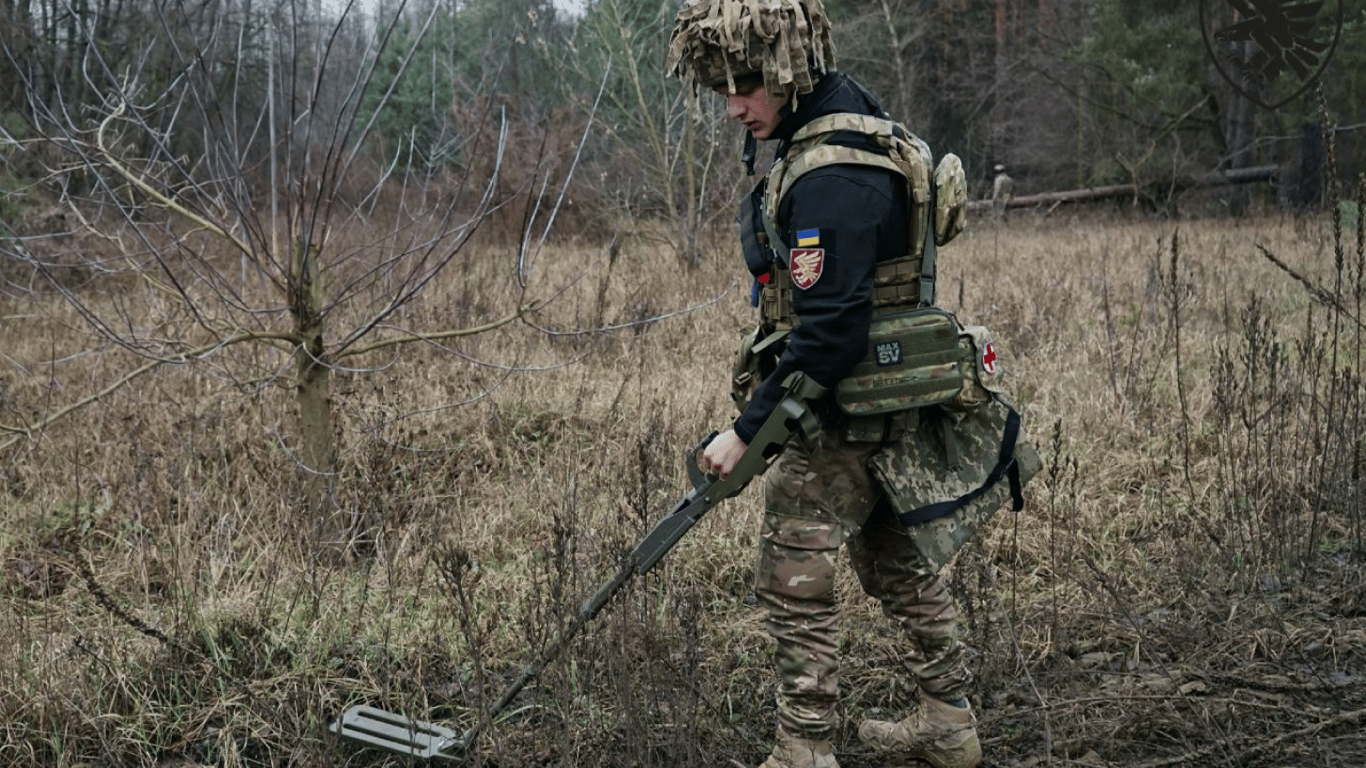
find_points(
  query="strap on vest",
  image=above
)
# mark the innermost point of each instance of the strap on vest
(927, 260)
(868, 125)
(896, 284)
(757, 260)
(1006, 467)
(775, 241)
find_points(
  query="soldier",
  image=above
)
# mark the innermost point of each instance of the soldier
(815, 246)
(1002, 189)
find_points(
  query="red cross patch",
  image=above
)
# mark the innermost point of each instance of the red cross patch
(807, 264)
(989, 358)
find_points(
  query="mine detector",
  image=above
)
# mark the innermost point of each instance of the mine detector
(415, 738)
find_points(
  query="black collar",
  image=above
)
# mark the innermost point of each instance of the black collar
(835, 92)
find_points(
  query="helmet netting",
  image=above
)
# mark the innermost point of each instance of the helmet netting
(716, 41)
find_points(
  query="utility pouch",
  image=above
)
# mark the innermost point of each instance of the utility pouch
(755, 360)
(914, 359)
(982, 371)
(951, 472)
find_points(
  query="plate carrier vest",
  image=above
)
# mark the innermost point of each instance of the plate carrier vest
(915, 355)
(918, 355)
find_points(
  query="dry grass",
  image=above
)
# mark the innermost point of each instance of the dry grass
(1188, 572)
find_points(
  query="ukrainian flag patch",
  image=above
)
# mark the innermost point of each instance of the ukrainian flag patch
(807, 238)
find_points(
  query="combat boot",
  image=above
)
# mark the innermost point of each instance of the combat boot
(937, 732)
(793, 752)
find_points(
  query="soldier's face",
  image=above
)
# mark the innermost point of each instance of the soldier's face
(752, 106)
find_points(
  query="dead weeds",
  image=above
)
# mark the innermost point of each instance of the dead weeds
(1184, 588)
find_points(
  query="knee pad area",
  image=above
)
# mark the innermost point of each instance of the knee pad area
(795, 573)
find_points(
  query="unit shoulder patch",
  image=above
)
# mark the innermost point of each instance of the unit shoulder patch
(807, 266)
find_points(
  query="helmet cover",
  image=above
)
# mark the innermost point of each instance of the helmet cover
(714, 42)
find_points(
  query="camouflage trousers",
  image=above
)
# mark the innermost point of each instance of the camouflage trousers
(820, 496)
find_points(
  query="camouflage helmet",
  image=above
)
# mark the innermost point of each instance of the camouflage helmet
(716, 41)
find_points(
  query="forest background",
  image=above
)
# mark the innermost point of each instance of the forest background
(345, 348)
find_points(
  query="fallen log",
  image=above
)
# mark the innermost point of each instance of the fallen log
(1087, 194)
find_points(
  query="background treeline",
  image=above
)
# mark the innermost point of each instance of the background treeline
(1066, 93)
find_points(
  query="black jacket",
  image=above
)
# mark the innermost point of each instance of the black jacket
(857, 216)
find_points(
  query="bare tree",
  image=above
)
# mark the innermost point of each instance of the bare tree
(282, 248)
(878, 43)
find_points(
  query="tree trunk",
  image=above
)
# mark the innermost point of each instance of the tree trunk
(899, 105)
(16, 35)
(998, 99)
(692, 246)
(1045, 27)
(1241, 133)
(317, 446)
(1238, 177)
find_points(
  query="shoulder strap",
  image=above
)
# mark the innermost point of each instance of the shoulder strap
(811, 150)
(867, 125)
(927, 262)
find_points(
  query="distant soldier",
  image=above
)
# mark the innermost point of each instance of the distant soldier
(1002, 190)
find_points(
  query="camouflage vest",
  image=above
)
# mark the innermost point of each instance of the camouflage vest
(936, 197)
(915, 357)
(901, 153)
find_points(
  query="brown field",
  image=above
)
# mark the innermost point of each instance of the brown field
(1185, 587)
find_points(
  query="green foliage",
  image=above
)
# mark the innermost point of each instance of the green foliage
(1341, 81)
(513, 46)
(14, 125)
(619, 46)
(1350, 214)
(469, 52)
(625, 40)
(1344, 79)
(1150, 78)
(1146, 71)
(413, 119)
(12, 198)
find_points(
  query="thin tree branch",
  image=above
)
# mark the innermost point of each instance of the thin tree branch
(521, 312)
(19, 433)
(108, 158)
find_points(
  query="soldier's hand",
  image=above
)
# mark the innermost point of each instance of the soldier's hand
(722, 454)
